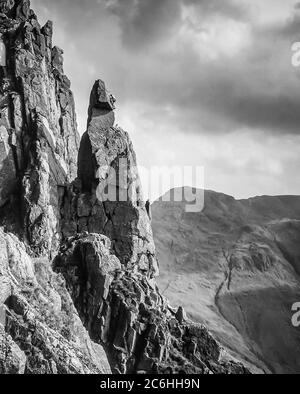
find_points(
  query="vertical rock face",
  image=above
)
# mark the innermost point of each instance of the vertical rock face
(40, 331)
(38, 132)
(107, 196)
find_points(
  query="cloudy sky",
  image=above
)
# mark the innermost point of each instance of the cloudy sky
(198, 83)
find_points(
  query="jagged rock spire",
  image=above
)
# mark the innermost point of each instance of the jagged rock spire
(107, 160)
(100, 97)
(101, 119)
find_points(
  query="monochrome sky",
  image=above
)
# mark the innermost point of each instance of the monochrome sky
(198, 82)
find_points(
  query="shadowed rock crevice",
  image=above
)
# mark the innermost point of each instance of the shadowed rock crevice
(86, 165)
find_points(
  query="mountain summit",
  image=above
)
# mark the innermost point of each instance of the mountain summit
(235, 267)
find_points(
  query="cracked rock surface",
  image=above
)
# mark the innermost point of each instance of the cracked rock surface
(40, 330)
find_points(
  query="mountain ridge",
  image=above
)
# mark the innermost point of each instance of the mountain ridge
(230, 249)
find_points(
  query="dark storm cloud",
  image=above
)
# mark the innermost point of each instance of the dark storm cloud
(227, 110)
(232, 94)
(145, 21)
(278, 114)
(198, 82)
(153, 65)
(229, 96)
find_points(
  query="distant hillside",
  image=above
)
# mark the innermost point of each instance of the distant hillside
(235, 267)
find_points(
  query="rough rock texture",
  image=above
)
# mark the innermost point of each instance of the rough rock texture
(124, 312)
(38, 132)
(106, 157)
(12, 359)
(40, 331)
(101, 249)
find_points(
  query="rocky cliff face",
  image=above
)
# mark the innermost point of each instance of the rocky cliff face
(40, 331)
(39, 139)
(77, 270)
(117, 298)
